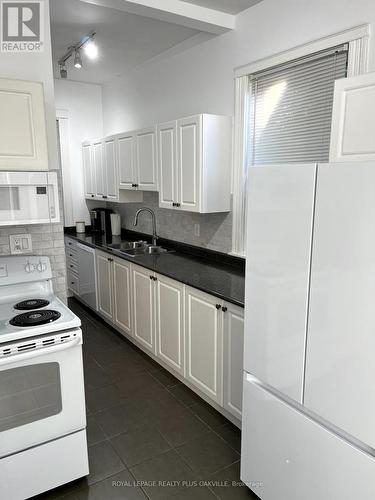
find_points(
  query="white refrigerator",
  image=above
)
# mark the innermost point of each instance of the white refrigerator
(308, 430)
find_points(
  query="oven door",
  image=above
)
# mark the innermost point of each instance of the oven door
(41, 393)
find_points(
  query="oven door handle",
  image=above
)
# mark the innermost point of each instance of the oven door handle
(15, 358)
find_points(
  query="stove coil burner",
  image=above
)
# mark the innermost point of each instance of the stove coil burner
(26, 305)
(35, 318)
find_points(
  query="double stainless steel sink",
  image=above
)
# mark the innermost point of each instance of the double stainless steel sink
(134, 248)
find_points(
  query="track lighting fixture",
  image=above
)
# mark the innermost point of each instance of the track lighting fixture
(87, 44)
(77, 59)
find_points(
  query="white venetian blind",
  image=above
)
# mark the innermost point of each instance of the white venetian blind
(291, 109)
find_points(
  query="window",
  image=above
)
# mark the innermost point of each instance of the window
(291, 109)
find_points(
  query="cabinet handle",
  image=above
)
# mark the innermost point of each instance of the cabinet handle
(224, 309)
(218, 306)
(109, 259)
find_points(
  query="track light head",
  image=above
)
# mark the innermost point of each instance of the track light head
(77, 59)
(63, 71)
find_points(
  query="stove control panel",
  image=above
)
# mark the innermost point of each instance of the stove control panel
(22, 269)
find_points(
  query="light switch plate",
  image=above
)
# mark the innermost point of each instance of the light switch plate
(20, 243)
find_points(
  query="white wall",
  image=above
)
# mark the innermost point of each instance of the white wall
(83, 103)
(201, 79)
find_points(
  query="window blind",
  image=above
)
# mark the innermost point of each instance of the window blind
(291, 109)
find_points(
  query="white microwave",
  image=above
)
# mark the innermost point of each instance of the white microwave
(28, 198)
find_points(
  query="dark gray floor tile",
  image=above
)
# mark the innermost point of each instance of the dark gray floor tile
(142, 443)
(185, 395)
(100, 399)
(195, 493)
(208, 454)
(181, 426)
(165, 378)
(166, 475)
(120, 418)
(131, 384)
(208, 414)
(227, 485)
(103, 462)
(94, 432)
(94, 375)
(231, 434)
(121, 486)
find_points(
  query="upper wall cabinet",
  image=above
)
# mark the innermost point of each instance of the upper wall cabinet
(353, 119)
(100, 167)
(137, 160)
(195, 163)
(23, 140)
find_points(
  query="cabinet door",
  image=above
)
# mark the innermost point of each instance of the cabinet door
(167, 164)
(99, 169)
(88, 170)
(340, 364)
(122, 295)
(233, 358)
(169, 322)
(104, 277)
(204, 343)
(279, 236)
(126, 151)
(353, 119)
(147, 174)
(143, 307)
(189, 161)
(23, 139)
(110, 170)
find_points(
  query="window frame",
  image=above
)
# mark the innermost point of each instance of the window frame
(358, 40)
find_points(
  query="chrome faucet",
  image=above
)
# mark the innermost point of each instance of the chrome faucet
(146, 209)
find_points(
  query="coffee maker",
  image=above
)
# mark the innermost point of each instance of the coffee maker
(101, 220)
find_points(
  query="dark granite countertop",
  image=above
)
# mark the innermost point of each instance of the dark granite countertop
(213, 272)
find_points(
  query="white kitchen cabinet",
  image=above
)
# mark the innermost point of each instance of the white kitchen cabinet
(353, 119)
(146, 160)
(195, 163)
(233, 338)
(101, 159)
(105, 284)
(137, 158)
(23, 139)
(169, 303)
(99, 169)
(126, 151)
(204, 343)
(88, 170)
(167, 160)
(340, 340)
(110, 169)
(122, 314)
(143, 307)
(280, 224)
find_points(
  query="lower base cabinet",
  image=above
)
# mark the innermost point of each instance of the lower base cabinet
(143, 307)
(204, 343)
(233, 339)
(198, 336)
(169, 304)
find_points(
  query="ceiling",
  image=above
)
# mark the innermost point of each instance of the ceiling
(229, 6)
(125, 40)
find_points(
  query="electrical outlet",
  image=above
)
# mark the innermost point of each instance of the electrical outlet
(197, 230)
(20, 243)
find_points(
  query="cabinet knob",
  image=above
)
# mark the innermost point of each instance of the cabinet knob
(178, 204)
(224, 309)
(109, 259)
(218, 306)
(104, 196)
(92, 196)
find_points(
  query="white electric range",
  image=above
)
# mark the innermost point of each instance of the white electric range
(42, 405)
